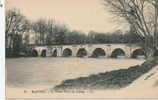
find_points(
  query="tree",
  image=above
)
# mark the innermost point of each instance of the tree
(142, 16)
(40, 28)
(16, 25)
(75, 37)
(17, 44)
(59, 34)
(50, 35)
(131, 37)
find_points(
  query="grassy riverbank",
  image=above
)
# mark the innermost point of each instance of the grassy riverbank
(109, 80)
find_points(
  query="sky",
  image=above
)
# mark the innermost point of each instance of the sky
(82, 15)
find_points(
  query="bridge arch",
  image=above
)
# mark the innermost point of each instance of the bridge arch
(117, 52)
(43, 53)
(34, 53)
(54, 54)
(98, 52)
(138, 52)
(81, 52)
(67, 52)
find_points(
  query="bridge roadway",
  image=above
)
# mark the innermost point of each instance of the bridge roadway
(90, 50)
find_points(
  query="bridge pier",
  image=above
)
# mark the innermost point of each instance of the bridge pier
(59, 52)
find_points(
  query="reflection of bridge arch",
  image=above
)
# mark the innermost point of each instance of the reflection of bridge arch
(81, 52)
(67, 52)
(34, 53)
(138, 52)
(117, 52)
(98, 52)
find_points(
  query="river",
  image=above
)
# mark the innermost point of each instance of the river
(48, 72)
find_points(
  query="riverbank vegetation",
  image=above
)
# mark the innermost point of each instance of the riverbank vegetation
(115, 79)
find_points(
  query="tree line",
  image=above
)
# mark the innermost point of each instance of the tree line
(48, 32)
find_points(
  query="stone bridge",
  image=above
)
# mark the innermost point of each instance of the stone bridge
(90, 50)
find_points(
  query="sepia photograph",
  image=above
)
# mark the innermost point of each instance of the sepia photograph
(81, 49)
